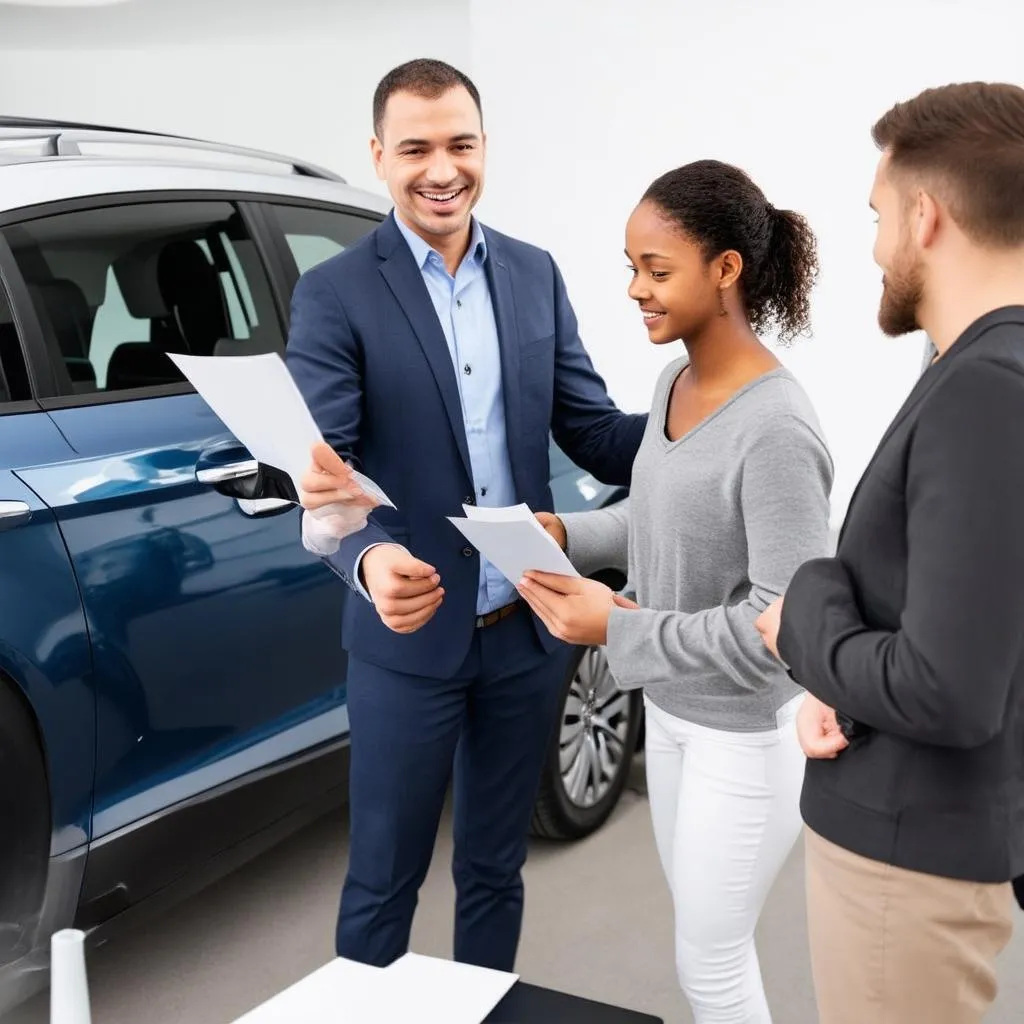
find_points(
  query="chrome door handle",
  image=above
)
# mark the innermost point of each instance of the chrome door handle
(228, 471)
(13, 513)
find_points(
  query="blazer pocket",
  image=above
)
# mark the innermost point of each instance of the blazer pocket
(538, 347)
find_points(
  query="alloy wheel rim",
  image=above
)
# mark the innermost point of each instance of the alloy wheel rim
(595, 724)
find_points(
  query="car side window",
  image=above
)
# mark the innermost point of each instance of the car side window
(314, 235)
(14, 386)
(116, 289)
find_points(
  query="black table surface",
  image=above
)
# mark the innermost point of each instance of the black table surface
(530, 1004)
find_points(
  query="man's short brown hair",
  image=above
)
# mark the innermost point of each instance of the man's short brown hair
(422, 77)
(965, 142)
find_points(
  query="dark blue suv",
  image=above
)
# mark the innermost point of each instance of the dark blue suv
(169, 706)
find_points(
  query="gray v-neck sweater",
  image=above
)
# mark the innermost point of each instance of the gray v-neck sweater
(716, 524)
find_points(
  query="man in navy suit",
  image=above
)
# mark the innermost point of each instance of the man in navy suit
(437, 356)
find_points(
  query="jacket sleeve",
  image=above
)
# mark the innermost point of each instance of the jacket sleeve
(943, 677)
(325, 360)
(585, 422)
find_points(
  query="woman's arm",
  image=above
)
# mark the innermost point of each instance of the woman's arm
(598, 539)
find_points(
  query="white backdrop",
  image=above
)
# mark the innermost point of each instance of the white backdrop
(585, 102)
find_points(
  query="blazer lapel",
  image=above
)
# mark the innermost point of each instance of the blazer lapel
(500, 280)
(405, 281)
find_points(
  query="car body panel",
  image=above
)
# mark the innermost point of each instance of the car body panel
(44, 645)
(193, 663)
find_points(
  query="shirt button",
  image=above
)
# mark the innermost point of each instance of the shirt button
(483, 492)
(467, 369)
(467, 552)
(458, 302)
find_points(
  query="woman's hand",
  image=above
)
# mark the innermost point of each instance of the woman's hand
(554, 526)
(574, 610)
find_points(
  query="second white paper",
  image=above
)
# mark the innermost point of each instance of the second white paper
(513, 541)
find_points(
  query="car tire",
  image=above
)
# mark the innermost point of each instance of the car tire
(25, 836)
(591, 752)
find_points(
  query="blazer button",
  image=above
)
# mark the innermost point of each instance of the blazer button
(467, 552)
(469, 500)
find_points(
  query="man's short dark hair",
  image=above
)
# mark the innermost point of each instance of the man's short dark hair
(966, 142)
(424, 77)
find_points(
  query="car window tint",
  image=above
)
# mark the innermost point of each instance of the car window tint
(314, 235)
(14, 386)
(118, 288)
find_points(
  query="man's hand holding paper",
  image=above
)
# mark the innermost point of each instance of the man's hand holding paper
(331, 491)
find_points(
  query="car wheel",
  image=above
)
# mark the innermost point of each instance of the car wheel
(592, 750)
(25, 836)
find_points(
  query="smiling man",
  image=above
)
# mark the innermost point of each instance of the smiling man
(438, 356)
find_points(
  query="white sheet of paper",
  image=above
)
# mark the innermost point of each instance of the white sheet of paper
(445, 992)
(257, 399)
(343, 990)
(513, 543)
(414, 988)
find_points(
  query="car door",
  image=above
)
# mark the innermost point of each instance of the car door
(45, 666)
(216, 637)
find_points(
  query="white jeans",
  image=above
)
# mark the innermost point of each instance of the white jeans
(726, 813)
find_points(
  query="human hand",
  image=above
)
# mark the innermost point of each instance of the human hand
(818, 730)
(554, 527)
(329, 481)
(768, 624)
(405, 591)
(574, 610)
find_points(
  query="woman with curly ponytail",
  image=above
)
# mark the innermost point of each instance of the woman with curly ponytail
(730, 496)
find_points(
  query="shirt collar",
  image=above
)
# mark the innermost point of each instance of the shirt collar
(422, 251)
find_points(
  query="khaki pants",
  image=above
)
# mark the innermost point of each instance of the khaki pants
(891, 946)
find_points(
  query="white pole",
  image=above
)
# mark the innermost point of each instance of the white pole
(69, 989)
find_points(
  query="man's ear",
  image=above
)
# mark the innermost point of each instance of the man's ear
(377, 156)
(928, 215)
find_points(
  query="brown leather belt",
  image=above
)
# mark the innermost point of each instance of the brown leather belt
(483, 621)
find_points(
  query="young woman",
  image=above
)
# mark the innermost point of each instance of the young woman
(730, 495)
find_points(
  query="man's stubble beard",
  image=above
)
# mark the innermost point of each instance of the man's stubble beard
(902, 292)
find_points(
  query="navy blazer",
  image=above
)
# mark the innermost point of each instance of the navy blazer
(369, 356)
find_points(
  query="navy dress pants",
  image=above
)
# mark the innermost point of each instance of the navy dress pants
(486, 731)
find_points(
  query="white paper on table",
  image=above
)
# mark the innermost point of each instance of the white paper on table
(513, 541)
(343, 990)
(257, 399)
(436, 991)
(414, 988)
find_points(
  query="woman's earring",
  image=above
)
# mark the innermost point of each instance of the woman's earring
(722, 311)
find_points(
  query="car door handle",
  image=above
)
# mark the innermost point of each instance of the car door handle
(221, 474)
(14, 513)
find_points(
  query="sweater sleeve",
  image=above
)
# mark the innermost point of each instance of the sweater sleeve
(785, 484)
(598, 539)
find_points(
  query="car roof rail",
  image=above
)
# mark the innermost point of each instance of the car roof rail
(69, 138)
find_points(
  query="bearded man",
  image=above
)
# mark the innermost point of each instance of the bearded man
(910, 641)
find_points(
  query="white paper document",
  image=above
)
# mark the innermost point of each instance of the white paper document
(513, 541)
(257, 399)
(414, 988)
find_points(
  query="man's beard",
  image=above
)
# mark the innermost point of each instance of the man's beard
(902, 290)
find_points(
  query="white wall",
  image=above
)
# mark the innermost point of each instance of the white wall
(587, 101)
(293, 76)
